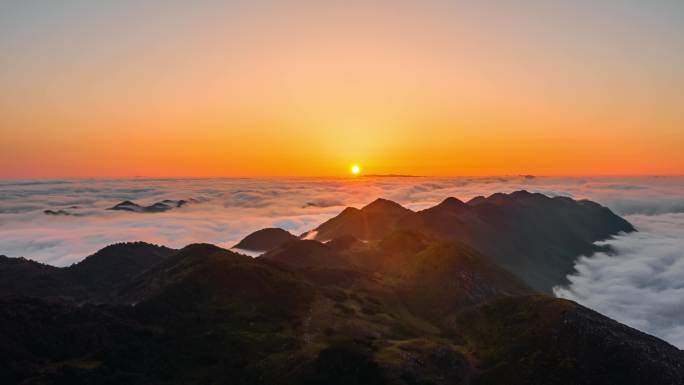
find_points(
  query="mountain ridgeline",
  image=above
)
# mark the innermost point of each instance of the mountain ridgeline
(392, 297)
(538, 238)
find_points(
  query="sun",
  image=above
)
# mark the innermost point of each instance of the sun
(355, 169)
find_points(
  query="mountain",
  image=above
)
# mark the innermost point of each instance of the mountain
(26, 277)
(370, 222)
(344, 243)
(388, 304)
(97, 278)
(543, 340)
(305, 253)
(536, 237)
(446, 276)
(157, 207)
(208, 315)
(194, 263)
(112, 267)
(57, 212)
(265, 239)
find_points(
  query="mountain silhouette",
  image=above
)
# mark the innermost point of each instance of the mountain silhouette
(265, 239)
(387, 304)
(94, 279)
(534, 236)
(370, 222)
(157, 207)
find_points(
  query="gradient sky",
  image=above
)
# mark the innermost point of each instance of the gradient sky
(95, 88)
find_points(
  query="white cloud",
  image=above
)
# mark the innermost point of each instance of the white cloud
(642, 283)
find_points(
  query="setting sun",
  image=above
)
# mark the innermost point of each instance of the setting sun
(355, 169)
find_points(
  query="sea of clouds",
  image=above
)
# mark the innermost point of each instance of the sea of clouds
(641, 284)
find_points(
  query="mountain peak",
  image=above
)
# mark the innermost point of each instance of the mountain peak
(116, 263)
(477, 200)
(122, 253)
(519, 193)
(372, 221)
(452, 202)
(201, 247)
(349, 210)
(524, 194)
(384, 204)
(265, 239)
(516, 196)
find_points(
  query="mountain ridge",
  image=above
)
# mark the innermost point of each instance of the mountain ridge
(403, 306)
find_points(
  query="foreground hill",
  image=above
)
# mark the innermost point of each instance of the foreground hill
(96, 278)
(208, 315)
(542, 340)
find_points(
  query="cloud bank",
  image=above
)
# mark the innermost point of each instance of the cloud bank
(642, 284)
(229, 208)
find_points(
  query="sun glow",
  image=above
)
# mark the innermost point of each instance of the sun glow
(355, 169)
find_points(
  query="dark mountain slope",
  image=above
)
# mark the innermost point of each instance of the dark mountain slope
(536, 237)
(208, 315)
(174, 269)
(345, 243)
(114, 266)
(97, 278)
(373, 221)
(265, 239)
(447, 276)
(306, 253)
(205, 315)
(45, 342)
(542, 340)
(22, 276)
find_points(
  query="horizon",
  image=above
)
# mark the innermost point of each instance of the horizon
(342, 176)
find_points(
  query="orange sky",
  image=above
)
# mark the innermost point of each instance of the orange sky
(298, 88)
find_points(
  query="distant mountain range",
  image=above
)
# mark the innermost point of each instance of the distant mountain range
(392, 297)
(536, 237)
(158, 207)
(130, 206)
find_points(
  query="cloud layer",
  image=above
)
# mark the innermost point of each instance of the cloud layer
(642, 284)
(230, 208)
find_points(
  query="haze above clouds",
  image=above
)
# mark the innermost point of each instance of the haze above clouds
(640, 285)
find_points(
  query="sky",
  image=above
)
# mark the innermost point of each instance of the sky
(308, 88)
